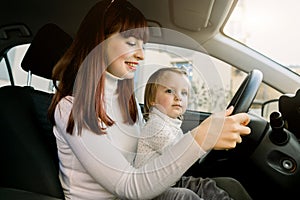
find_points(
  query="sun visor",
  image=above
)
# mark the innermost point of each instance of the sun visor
(191, 14)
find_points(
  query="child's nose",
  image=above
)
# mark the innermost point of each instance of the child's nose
(178, 96)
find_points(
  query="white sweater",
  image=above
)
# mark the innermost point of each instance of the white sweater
(101, 166)
(159, 133)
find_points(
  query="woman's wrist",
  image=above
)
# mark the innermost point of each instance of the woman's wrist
(200, 138)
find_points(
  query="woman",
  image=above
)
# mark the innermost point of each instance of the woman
(97, 119)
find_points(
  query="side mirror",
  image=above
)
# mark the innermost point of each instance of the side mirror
(289, 106)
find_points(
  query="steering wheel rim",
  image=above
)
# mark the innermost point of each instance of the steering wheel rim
(241, 101)
(247, 91)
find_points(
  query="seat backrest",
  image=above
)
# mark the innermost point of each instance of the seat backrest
(29, 154)
(29, 159)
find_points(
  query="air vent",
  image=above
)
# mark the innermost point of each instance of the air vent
(19, 29)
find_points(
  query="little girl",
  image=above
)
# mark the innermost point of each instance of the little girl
(165, 101)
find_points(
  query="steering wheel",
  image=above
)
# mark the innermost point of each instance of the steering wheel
(246, 93)
(241, 101)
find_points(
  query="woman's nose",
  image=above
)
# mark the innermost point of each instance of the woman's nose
(139, 53)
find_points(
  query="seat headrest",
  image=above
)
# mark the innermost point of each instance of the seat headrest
(47, 47)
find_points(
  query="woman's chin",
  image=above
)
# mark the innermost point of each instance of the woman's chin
(129, 75)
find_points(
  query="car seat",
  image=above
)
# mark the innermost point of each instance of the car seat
(29, 162)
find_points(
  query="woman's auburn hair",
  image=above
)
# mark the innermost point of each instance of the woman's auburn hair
(80, 71)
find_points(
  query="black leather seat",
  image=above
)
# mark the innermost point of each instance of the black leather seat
(29, 163)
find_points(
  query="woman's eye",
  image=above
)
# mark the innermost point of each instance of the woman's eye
(131, 43)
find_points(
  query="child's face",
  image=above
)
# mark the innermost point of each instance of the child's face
(123, 55)
(172, 94)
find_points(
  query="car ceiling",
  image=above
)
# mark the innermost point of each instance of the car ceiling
(20, 20)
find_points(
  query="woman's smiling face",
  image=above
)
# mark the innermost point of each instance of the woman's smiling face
(123, 55)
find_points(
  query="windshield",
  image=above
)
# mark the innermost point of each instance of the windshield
(270, 27)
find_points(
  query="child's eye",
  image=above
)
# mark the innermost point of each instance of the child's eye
(184, 93)
(170, 91)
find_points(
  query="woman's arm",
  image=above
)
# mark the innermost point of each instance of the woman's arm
(222, 130)
(106, 164)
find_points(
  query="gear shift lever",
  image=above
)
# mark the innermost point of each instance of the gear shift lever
(278, 135)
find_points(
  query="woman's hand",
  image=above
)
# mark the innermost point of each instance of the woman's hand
(222, 131)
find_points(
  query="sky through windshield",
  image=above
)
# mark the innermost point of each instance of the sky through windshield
(271, 27)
